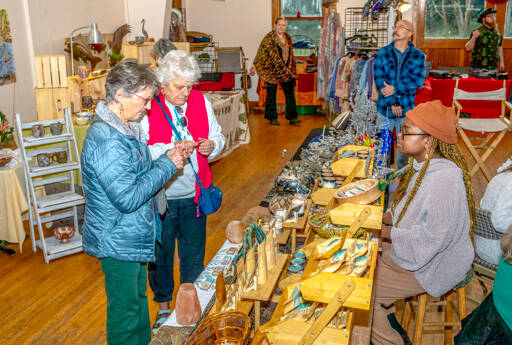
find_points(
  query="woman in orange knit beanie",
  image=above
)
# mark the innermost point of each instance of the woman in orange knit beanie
(430, 220)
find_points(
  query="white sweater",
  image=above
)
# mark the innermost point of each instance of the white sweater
(432, 239)
(182, 184)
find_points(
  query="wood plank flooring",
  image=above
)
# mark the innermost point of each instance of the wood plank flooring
(64, 302)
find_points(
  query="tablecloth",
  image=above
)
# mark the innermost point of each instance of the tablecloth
(442, 89)
(305, 91)
(14, 204)
(230, 112)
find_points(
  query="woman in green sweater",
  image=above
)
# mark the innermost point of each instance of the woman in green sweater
(491, 322)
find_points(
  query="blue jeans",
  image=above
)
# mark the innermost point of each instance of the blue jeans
(181, 224)
(396, 124)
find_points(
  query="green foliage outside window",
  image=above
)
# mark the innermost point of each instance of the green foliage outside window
(508, 21)
(307, 8)
(452, 18)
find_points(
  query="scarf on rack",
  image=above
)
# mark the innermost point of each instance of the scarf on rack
(270, 65)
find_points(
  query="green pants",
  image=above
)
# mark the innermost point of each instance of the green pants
(127, 304)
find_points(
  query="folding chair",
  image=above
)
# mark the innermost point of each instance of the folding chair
(495, 128)
(232, 59)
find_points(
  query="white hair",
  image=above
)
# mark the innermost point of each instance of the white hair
(177, 64)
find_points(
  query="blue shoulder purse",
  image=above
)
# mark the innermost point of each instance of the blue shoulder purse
(211, 197)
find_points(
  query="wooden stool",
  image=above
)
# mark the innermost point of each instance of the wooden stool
(422, 303)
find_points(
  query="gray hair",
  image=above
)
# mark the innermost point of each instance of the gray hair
(177, 64)
(131, 77)
(162, 47)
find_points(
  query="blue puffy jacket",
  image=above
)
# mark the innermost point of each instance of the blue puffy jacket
(120, 181)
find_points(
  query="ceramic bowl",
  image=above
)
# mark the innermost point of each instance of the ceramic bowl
(4, 160)
(38, 131)
(43, 160)
(299, 255)
(64, 233)
(56, 128)
(84, 114)
(82, 121)
(298, 261)
(295, 269)
(61, 157)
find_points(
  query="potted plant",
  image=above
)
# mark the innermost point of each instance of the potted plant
(5, 131)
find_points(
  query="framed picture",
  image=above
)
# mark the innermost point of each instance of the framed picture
(7, 69)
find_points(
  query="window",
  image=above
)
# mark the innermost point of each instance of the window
(508, 21)
(452, 19)
(304, 22)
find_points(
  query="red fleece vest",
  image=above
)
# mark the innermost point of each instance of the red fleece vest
(160, 131)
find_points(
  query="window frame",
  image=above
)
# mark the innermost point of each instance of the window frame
(422, 42)
(276, 12)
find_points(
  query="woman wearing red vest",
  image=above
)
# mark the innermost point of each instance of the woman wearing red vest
(194, 119)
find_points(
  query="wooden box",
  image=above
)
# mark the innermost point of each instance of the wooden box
(51, 102)
(343, 166)
(289, 332)
(323, 286)
(50, 71)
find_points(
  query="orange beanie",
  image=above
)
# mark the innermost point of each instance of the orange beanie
(435, 119)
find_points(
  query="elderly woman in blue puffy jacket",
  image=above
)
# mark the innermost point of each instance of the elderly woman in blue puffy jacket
(120, 180)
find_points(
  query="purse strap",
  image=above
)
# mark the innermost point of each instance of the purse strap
(178, 136)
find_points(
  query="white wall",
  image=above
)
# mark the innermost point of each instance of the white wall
(153, 11)
(18, 97)
(53, 20)
(233, 23)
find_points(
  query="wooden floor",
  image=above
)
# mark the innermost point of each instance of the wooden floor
(64, 302)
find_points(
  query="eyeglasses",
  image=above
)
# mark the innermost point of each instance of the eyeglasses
(147, 101)
(404, 133)
(396, 27)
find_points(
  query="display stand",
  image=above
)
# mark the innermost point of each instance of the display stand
(44, 209)
(264, 292)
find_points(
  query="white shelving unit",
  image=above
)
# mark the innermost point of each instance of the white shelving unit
(49, 208)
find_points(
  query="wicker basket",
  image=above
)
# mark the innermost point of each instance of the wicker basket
(200, 45)
(230, 328)
(320, 222)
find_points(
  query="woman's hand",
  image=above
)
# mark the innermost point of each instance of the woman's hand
(386, 219)
(186, 147)
(385, 232)
(252, 70)
(205, 146)
(176, 157)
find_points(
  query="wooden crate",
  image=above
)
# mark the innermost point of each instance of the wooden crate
(323, 286)
(291, 331)
(51, 102)
(79, 87)
(50, 71)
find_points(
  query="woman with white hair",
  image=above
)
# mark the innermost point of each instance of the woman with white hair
(184, 221)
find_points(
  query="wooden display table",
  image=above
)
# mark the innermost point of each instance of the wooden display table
(265, 291)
